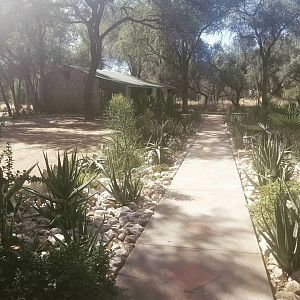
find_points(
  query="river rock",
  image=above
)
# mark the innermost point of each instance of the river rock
(130, 239)
(136, 229)
(53, 238)
(264, 248)
(55, 230)
(121, 211)
(286, 296)
(293, 286)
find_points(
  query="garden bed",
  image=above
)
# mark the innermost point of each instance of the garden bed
(284, 286)
(69, 231)
(120, 226)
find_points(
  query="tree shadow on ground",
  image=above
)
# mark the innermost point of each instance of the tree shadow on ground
(190, 262)
(194, 247)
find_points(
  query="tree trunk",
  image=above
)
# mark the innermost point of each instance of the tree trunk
(5, 99)
(236, 102)
(42, 64)
(29, 91)
(96, 52)
(265, 83)
(185, 96)
(88, 93)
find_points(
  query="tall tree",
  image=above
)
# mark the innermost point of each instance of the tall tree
(184, 24)
(92, 13)
(266, 22)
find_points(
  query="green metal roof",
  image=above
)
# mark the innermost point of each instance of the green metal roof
(125, 79)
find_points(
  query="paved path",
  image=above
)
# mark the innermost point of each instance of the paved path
(200, 243)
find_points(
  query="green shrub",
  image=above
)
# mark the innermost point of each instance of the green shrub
(126, 153)
(124, 146)
(121, 113)
(79, 271)
(263, 210)
(283, 234)
(23, 274)
(70, 271)
(162, 107)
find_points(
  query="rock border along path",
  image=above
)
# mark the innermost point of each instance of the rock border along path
(200, 243)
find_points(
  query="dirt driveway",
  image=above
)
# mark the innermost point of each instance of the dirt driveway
(30, 136)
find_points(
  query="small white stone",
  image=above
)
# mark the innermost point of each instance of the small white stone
(143, 221)
(99, 213)
(264, 248)
(105, 195)
(292, 286)
(130, 239)
(55, 231)
(110, 234)
(148, 212)
(112, 221)
(53, 238)
(121, 211)
(136, 229)
(117, 261)
(121, 236)
(272, 260)
(278, 273)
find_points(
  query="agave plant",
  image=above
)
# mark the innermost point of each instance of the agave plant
(283, 235)
(157, 153)
(270, 159)
(123, 189)
(65, 201)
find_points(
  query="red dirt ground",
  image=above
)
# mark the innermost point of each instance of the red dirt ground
(31, 136)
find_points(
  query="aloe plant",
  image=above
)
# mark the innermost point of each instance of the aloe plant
(283, 235)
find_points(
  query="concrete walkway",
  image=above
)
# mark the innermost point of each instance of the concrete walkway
(200, 243)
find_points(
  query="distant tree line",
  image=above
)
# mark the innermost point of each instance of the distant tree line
(157, 40)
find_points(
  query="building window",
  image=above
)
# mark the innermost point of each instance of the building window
(67, 74)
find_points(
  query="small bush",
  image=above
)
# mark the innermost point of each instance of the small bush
(121, 114)
(79, 271)
(125, 153)
(124, 146)
(263, 210)
(23, 274)
(70, 271)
